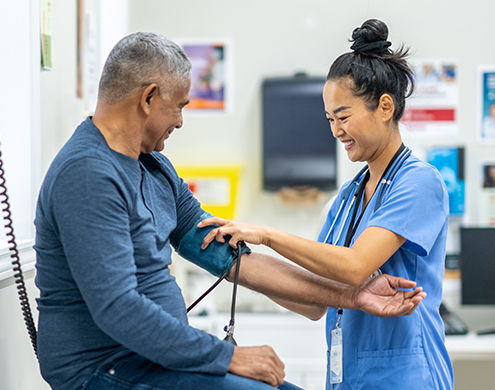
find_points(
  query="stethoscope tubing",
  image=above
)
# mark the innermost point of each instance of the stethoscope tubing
(382, 187)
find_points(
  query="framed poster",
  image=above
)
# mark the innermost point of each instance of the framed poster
(486, 120)
(432, 109)
(450, 163)
(488, 194)
(46, 34)
(211, 81)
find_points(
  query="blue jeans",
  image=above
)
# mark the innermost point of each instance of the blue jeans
(137, 373)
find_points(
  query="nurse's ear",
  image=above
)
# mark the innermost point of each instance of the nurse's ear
(386, 107)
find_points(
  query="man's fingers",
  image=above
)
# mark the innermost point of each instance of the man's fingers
(413, 307)
(410, 294)
(415, 301)
(278, 368)
(399, 282)
(418, 298)
(260, 363)
(406, 308)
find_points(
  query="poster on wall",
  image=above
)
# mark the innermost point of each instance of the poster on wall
(46, 34)
(450, 163)
(211, 83)
(433, 107)
(88, 53)
(487, 107)
(488, 194)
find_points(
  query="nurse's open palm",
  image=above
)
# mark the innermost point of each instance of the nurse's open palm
(380, 296)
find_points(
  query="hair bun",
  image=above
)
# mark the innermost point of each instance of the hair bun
(371, 38)
(356, 34)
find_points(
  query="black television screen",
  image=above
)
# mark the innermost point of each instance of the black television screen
(298, 146)
(477, 260)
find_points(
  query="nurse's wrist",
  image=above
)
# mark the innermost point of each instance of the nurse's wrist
(267, 236)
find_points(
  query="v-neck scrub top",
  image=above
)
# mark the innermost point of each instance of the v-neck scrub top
(406, 352)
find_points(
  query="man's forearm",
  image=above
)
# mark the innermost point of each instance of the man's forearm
(279, 279)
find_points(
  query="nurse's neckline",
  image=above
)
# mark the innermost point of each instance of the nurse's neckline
(377, 174)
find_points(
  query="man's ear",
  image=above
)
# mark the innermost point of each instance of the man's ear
(386, 106)
(147, 97)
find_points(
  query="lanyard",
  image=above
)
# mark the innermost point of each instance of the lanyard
(353, 224)
(359, 195)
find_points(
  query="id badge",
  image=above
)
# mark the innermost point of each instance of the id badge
(336, 357)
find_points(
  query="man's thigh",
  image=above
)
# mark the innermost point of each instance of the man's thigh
(138, 373)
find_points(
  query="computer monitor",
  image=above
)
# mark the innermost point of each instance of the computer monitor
(477, 261)
(298, 146)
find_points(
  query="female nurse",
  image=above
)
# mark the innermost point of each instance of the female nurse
(391, 218)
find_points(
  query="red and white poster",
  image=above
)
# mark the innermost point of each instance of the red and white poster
(433, 108)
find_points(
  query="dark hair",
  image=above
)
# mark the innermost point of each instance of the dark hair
(374, 69)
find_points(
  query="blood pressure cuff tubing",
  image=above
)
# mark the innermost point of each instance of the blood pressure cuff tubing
(217, 258)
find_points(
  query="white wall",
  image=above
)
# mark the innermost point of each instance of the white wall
(19, 109)
(20, 137)
(269, 38)
(19, 368)
(33, 129)
(278, 37)
(61, 109)
(282, 37)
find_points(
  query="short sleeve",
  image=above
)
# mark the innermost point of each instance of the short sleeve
(416, 207)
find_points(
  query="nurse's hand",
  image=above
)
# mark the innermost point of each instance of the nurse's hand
(380, 296)
(253, 234)
(260, 363)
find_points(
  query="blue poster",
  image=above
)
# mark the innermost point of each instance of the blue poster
(450, 163)
(488, 113)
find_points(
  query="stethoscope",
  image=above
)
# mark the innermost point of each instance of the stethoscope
(356, 190)
(357, 187)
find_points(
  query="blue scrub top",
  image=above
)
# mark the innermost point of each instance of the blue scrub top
(405, 352)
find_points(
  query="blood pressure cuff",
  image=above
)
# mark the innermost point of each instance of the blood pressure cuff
(217, 258)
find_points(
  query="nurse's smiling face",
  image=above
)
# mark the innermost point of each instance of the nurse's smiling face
(363, 132)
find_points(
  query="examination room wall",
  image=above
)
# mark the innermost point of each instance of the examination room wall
(279, 38)
(267, 38)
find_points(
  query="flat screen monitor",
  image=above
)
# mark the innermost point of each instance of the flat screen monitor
(298, 146)
(477, 260)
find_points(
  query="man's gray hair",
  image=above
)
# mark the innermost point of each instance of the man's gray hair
(140, 59)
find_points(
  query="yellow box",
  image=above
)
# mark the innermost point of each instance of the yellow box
(214, 186)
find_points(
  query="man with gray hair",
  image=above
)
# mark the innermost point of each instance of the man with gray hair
(111, 315)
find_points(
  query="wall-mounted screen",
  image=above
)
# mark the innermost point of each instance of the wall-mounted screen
(477, 256)
(298, 146)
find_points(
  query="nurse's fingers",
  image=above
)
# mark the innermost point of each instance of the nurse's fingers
(217, 234)
(212, 221)
(209, 238)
